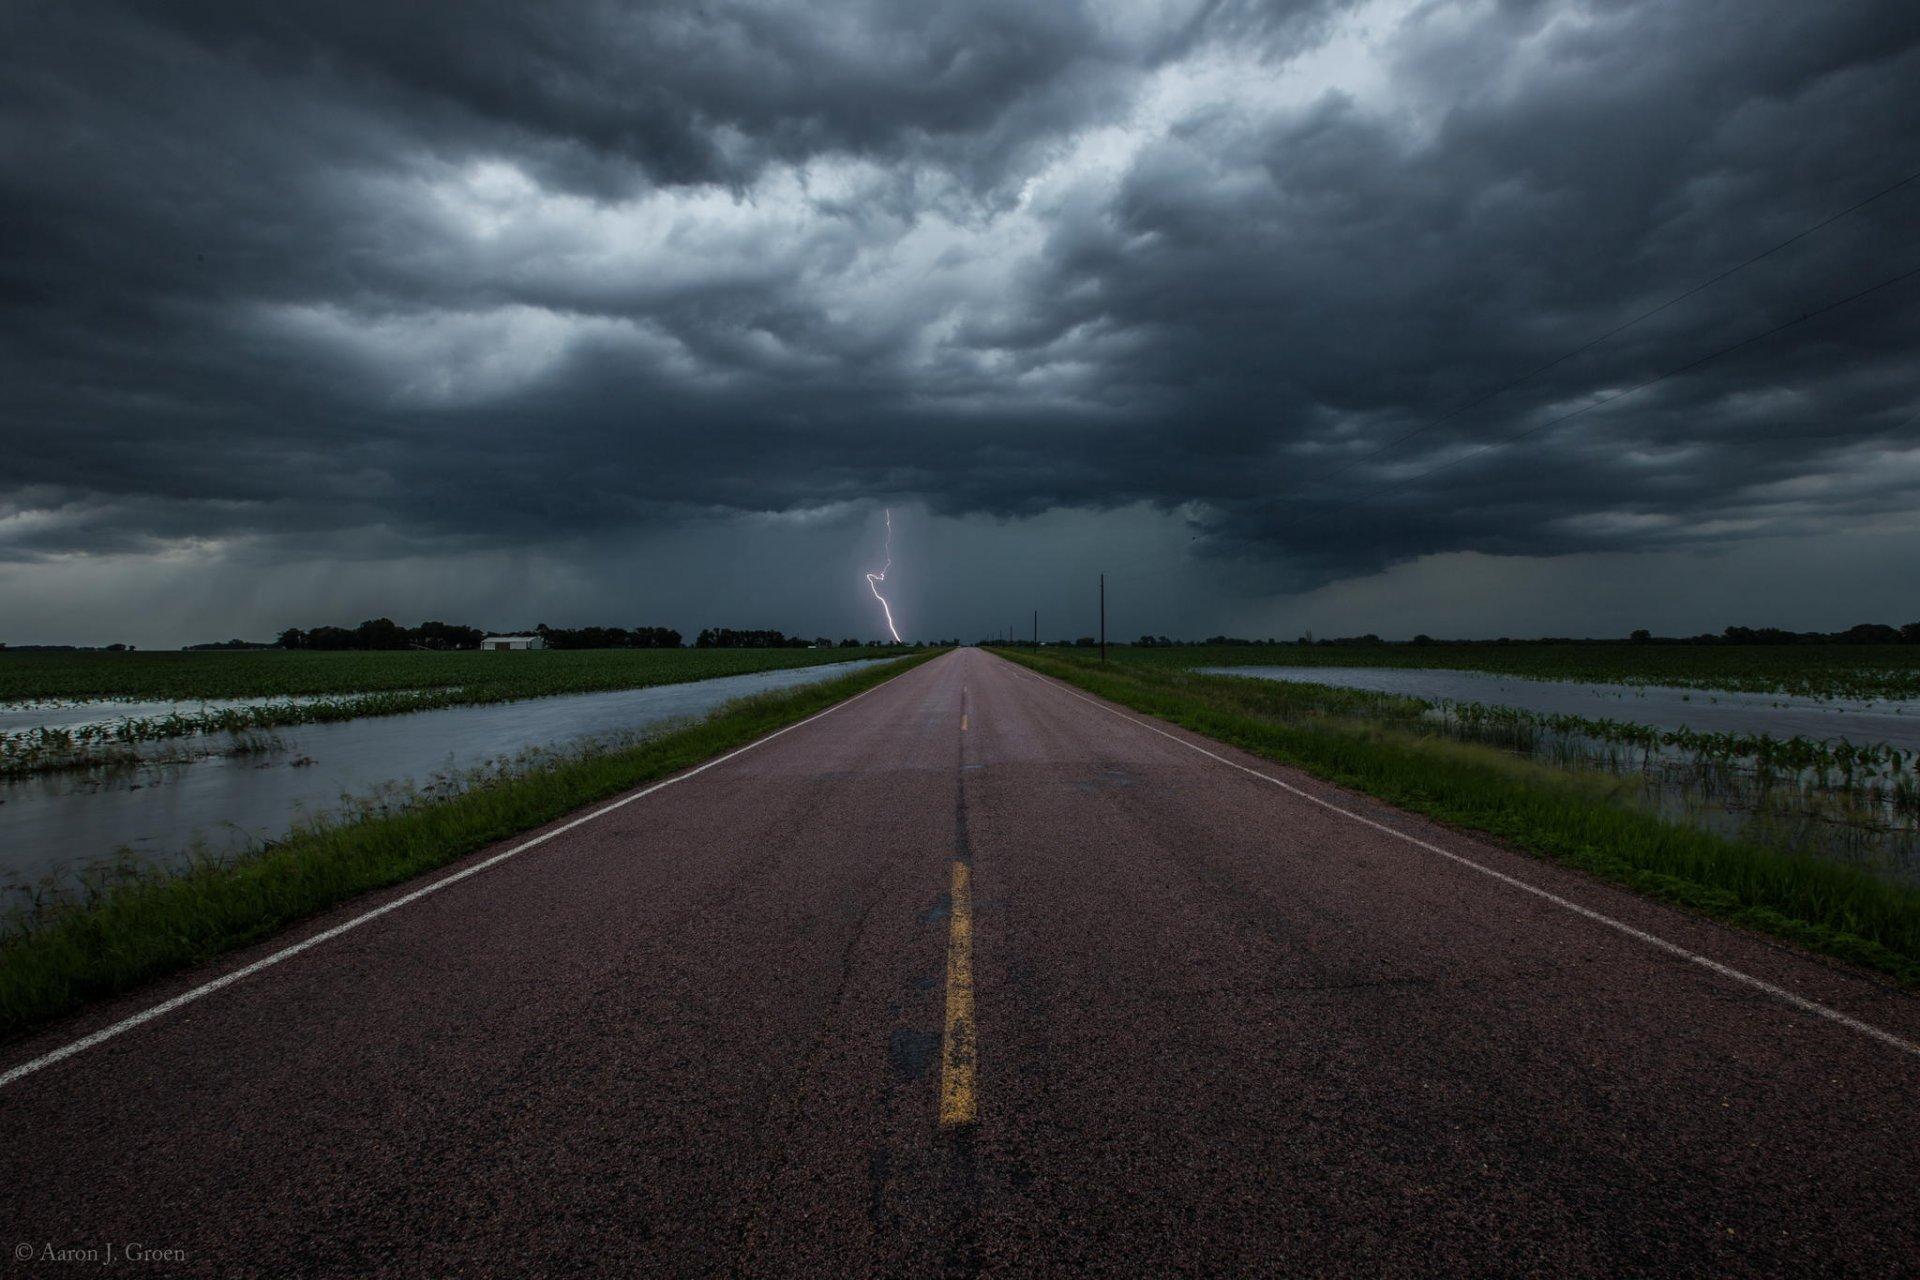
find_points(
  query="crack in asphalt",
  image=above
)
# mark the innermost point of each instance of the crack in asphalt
(780, 1149)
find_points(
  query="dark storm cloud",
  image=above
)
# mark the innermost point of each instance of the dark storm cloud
(465, 274)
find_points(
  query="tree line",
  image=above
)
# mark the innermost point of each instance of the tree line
(385, 633)
(608, 637)
(1860, 633)
(731, 638)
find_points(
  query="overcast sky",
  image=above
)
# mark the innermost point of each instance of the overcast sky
(591, 313)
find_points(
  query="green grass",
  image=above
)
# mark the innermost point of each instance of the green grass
(1580, 819)
(1822, 671)
(137, 931)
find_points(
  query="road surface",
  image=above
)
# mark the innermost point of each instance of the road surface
(973, 974)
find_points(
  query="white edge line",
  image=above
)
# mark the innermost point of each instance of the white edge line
(188, 997)
(1620, 926)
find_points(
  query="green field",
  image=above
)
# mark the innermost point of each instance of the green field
(1813, 670)
(1585, 818)
(487, 677)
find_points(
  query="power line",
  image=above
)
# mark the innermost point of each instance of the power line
(1678, 298)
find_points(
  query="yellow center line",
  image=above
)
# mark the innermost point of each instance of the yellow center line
(957, 1104)
(963, 722)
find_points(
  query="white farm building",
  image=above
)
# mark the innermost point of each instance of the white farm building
(513, 642)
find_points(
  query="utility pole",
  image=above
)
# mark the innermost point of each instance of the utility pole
(1036, 628)
(1103, 617)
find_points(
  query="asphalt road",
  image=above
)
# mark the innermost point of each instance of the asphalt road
(1214, 1027)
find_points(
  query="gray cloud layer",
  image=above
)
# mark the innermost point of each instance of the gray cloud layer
(463, 276)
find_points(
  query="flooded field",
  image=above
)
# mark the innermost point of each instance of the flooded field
(1857, 720)
(1838, 778)
(82, 710)
(89, 713)
(245, 789)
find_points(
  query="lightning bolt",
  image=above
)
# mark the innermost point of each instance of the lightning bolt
(875, 579)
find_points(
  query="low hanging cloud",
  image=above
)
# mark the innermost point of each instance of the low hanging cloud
(473, 275)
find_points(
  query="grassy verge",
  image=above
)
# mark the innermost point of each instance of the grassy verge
(141, 930)
(1574, 818)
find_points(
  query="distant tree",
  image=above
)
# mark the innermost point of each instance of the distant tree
(292, 638)
(608, 637)
(1910, 633)
(729, 638)
(235, 643)
(445, 635)
(380, 633)
(1086, 642)
(1423, 638)
(331, 638)
(1641, 636)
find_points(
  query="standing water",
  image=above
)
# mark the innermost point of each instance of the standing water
(160, 813)
(1831, 778)
(1705, 710)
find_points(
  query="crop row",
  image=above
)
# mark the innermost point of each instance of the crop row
(1795, 754)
